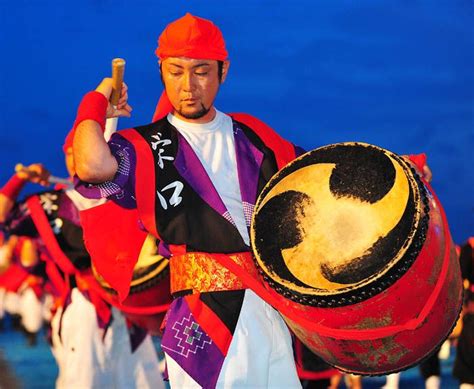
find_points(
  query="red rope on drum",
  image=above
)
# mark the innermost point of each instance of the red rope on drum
(320, 375)
(148, 310)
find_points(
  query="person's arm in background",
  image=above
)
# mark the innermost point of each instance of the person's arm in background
(35, 173)
(94, 162)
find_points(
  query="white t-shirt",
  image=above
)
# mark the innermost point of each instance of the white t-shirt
(213, 143)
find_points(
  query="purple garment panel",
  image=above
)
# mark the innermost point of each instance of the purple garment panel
(164, 250)
(122, 188)
(137, 335)
(186, 342)
(67, 210)
(249, 160)
(190, 167)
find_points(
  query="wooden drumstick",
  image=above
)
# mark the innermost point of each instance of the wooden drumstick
(51, 179)
(118, 70)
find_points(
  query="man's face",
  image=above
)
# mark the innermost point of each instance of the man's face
(192, 86)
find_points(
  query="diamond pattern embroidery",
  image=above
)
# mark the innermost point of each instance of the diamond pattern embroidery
(190, 337)
(192, 333)
(248, 211)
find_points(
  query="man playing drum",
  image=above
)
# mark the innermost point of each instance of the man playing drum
(194, 176)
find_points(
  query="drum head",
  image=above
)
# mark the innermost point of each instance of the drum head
(339, 224)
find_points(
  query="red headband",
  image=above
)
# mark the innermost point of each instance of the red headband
(192, 37)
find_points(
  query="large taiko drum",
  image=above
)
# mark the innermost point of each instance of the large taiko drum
(356, 250)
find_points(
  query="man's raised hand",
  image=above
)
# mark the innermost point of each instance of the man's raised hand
(123, 109)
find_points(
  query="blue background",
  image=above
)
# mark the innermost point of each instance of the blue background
(398, 74)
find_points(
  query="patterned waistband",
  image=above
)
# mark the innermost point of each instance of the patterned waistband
(200, 272)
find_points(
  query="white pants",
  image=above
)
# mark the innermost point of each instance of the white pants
(48, 304)
(137, 370)
(392, 381)
(31, 311)
(11, 303)
(88, 360)
(260, 354)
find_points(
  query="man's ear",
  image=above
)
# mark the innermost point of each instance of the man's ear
(225, 69)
